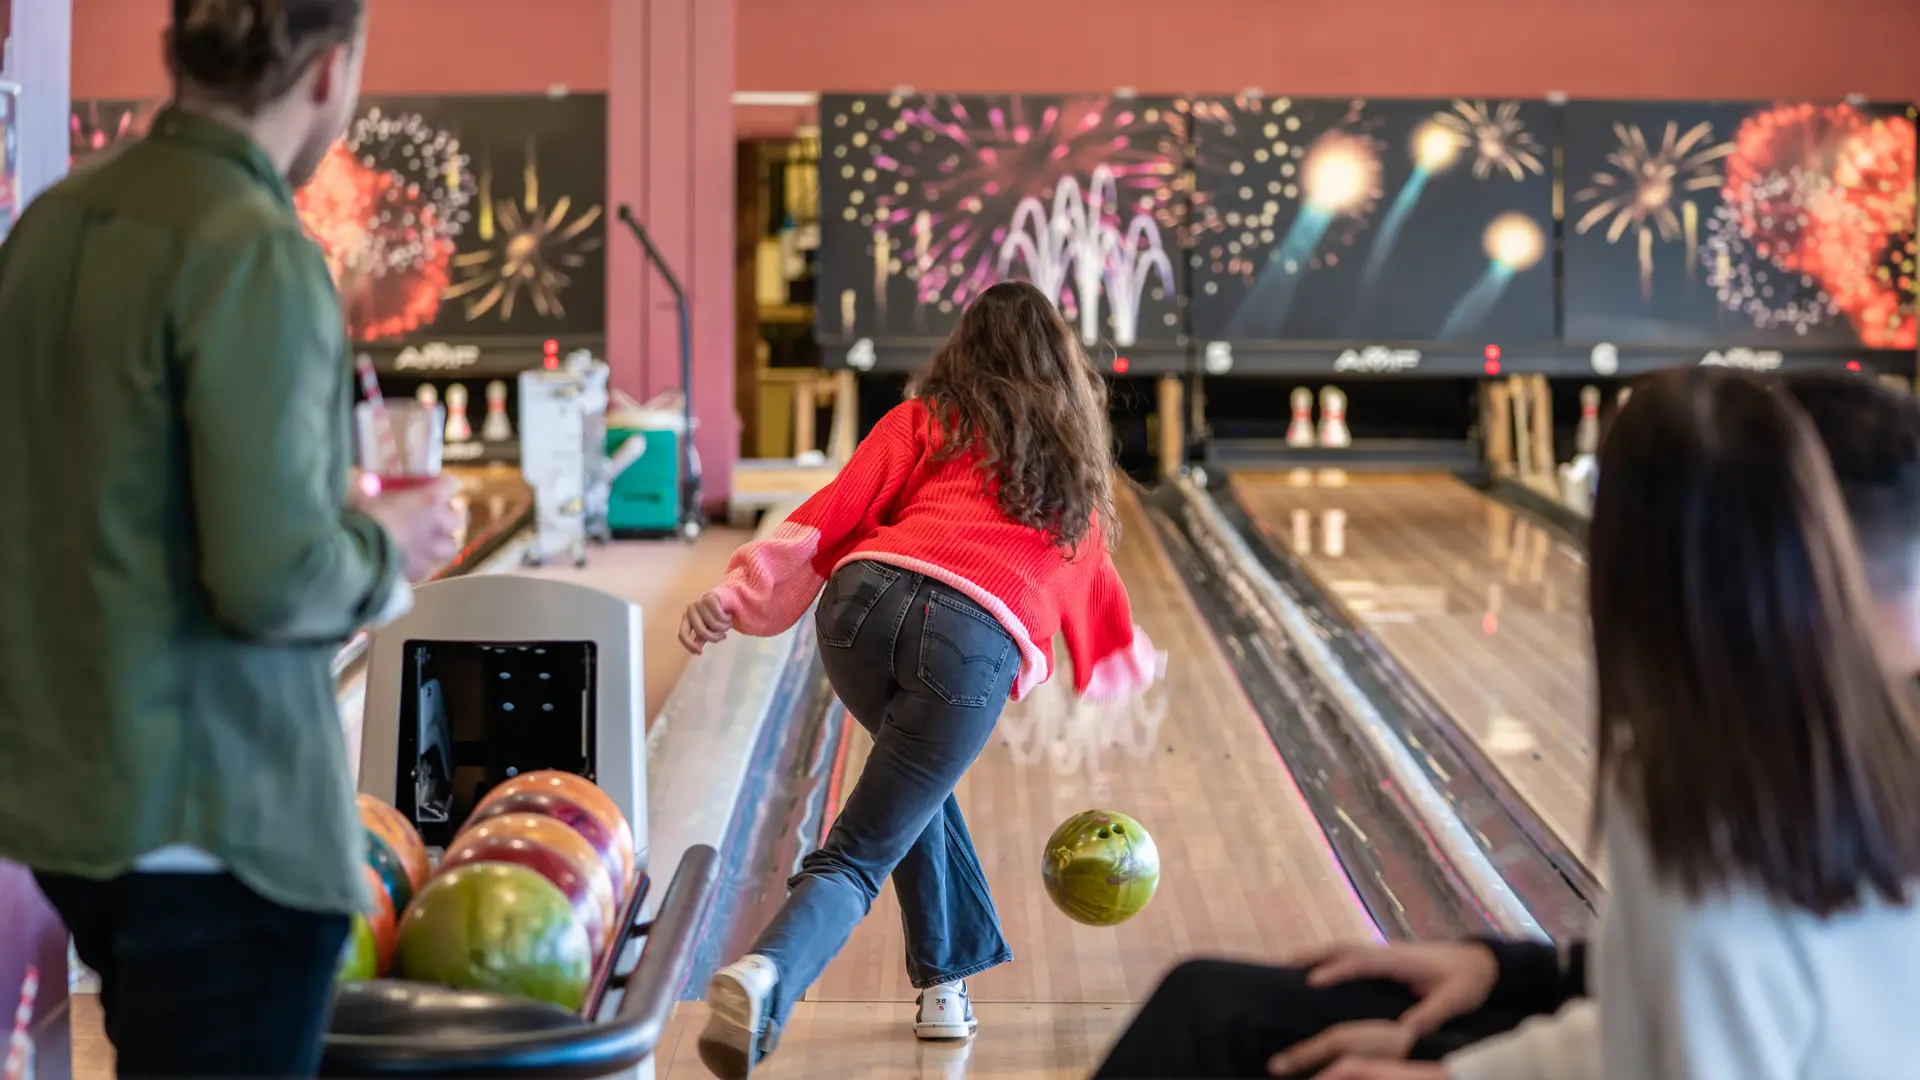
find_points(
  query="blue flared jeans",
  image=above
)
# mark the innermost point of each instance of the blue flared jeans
(926, 671)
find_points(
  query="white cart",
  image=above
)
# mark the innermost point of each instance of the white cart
(563, 455)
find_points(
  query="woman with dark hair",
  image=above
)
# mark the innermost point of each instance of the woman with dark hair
(1758, 778)
(1757, 773)
(180, 558)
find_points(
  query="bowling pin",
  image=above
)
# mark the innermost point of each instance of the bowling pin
(1300, 432)
(1303, 532)
(1586, 437)
(497, 427)
(1333, 533)
(428, 395)
(1333, 418)
(1576, 477)
(458, 429)
(1620, 402)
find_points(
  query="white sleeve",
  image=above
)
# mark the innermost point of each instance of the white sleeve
(1716, 991)
(1564, 1046)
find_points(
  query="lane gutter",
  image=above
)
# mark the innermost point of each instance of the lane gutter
(1518, 866)
(1402, 872)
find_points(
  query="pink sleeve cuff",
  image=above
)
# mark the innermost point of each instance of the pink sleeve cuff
(771, 582)
(1122, 674)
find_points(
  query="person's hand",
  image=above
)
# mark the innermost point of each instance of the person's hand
(1355, 1068)
(705, 623)
(1372, 1040)
(423, 521)
(1449, 979)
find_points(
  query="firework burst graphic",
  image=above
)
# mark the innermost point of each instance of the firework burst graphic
(1648, 190)
(1497, 138)
(530, 248)
(936, 181)
(1250, 173)
(428, 189)
(386, 207)
(1817, 222)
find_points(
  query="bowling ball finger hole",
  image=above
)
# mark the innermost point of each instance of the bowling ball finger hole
(1103, 834)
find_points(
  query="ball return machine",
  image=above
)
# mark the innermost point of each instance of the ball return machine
(486, 678)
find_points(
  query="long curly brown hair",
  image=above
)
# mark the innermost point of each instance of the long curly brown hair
(1012, 384)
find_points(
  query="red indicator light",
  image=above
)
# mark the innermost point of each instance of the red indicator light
(1120, 365)
(1853, 365)
(551, 362)
(1493, 366)
(1492, 353)
(552, 347)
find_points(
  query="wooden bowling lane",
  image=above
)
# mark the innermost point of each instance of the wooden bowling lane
(1245, 871)
(1480, 606)
(835, 1040)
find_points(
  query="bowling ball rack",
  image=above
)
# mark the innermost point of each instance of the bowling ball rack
(392, 1028)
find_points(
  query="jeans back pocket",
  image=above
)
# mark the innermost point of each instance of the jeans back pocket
(963, 652)
(849, 596)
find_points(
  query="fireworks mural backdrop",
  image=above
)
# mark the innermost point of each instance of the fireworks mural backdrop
(448, 216)
(1770, 225)
(1351, 219)
(927, 200)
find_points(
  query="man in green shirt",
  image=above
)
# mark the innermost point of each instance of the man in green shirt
(180, 558)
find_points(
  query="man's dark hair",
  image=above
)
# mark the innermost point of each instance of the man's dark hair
(246, 53)
(1872, 437)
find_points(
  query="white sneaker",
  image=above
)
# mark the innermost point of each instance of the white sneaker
(739, 1029)
(945, 1013)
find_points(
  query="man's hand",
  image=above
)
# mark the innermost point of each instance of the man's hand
(705, 623)
(423, 521)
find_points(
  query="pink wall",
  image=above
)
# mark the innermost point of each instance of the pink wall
(419, 47)
(1588, 48)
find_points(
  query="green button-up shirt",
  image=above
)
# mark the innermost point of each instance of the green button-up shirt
(178, 565)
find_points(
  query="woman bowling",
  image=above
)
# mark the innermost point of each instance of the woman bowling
(968, 529)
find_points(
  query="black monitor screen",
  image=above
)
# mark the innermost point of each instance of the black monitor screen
(473, 715)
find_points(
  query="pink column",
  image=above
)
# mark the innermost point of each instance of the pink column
(670, 157)
(39, 54)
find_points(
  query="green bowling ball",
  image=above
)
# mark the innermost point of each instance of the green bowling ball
(1100, 868)
(360, 957)
(393, 872)
(496, 926)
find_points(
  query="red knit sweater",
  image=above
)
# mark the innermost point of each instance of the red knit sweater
(893, 503)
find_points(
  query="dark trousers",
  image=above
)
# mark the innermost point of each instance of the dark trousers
(200, 976)
(1213, 1020)
(927, 672)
